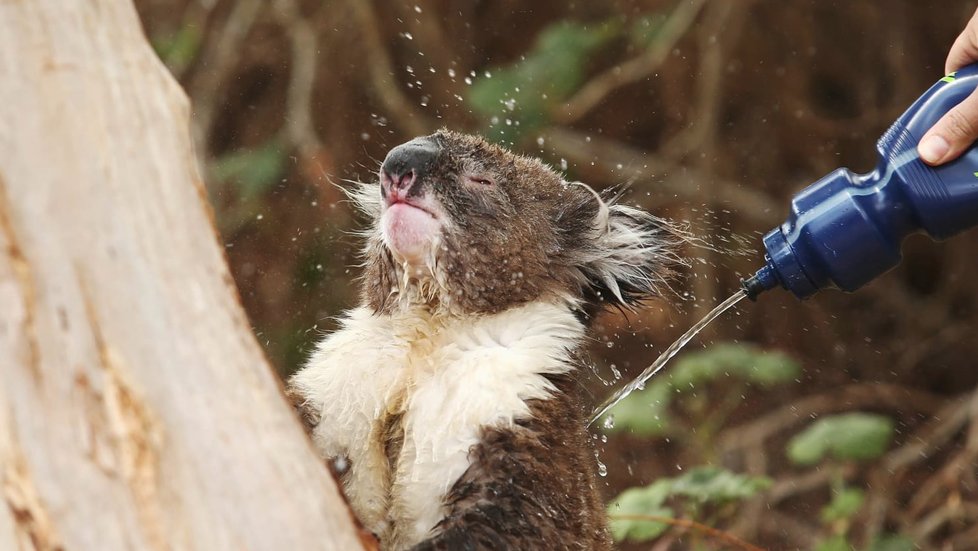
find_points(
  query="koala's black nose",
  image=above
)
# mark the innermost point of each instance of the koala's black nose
(408, 163)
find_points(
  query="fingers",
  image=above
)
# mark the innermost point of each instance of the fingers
(963, 51)
(952, 135)
(958, 129)
(965, 47)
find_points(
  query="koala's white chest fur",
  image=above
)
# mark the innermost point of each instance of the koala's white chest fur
(447, 378)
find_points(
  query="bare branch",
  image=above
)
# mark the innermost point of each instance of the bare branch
(217, 63)
(382, 73)
(634, 69)
(863, 395)
(299, 129)
(714, 533)
(602, 156)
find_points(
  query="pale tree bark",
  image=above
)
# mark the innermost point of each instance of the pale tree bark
(136, 408)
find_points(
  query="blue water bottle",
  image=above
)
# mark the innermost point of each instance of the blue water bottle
(846, 229)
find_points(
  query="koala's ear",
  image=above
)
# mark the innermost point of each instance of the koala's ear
(626, 254)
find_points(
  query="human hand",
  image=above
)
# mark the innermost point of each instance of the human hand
(958, 129)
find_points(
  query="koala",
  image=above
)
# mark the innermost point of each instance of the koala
(450, 399)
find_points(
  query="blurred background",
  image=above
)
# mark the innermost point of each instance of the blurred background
(842, 422)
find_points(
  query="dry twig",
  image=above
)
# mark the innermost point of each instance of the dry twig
(218, 59)
(382, 73)
(863, 395)
(695, 526)
(634, 69)
(601, 156)
(299, 128)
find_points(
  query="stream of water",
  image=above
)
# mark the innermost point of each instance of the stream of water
(675, 347)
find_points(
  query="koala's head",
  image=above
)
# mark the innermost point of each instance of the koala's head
(467, 226)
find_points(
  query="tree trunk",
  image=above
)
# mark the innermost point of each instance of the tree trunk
(136, 408)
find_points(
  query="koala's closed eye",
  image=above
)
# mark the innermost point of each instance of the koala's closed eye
(480, 180)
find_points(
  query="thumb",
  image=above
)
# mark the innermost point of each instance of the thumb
(952, 135)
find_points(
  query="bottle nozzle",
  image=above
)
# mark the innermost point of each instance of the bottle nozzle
(763, 280)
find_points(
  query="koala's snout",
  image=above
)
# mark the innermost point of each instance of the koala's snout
(406, 166)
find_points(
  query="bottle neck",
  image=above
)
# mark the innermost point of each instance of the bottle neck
(843, 231)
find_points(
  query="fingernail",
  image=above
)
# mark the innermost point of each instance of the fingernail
(933, 148)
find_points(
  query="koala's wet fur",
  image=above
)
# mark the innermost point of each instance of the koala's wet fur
(451, 395)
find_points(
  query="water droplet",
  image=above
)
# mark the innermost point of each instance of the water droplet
(417, 9)
(602, 469)
(451, 73)
(609, 422)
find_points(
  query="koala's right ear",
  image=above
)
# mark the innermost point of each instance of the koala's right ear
(624, 255)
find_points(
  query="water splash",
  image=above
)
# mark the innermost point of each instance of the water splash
(602, 468)
(640, 381)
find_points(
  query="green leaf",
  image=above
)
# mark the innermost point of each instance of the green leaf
(180, 48)
(741, 361)
(643, 412)
(715, 485)
(253, 171)
(835, 543)
(857, 436)
(645, 31)
(702, 484)
(639, 502)
(524, 92)
(770, 368)
(646, 412)
(845, 504)
(892, 542)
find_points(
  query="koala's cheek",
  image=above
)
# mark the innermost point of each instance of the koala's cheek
(409, 232)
